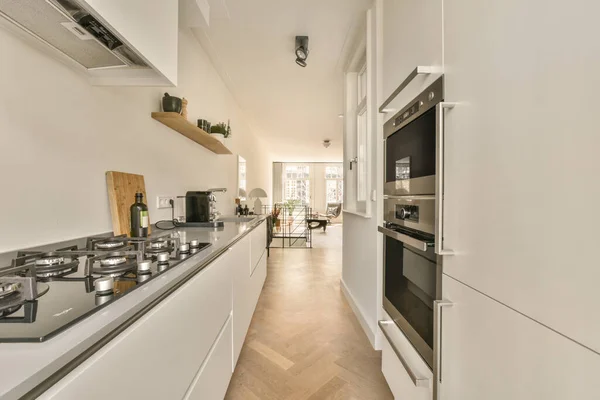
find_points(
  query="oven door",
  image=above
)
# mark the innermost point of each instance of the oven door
(410, 146)
(411, 282)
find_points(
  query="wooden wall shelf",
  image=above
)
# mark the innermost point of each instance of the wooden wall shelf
(191, 131)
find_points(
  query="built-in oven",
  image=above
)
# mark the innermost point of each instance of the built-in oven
(412, 274)
(410, 145)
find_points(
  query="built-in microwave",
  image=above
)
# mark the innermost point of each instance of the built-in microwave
(410, 145)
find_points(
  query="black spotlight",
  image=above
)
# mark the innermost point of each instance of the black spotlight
(301, 50)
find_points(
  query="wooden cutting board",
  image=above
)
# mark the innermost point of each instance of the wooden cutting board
(122, 188)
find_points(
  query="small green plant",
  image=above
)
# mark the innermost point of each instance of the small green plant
(291, 205)
(221, 128)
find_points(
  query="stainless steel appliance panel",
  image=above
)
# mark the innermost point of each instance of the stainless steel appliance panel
(410, 146)
(417, 212)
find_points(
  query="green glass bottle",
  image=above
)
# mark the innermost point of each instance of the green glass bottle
(139, 217)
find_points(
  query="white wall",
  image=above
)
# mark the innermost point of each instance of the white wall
(59, 135)
(362, 251)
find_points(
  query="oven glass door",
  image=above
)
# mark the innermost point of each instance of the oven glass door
(410, 154)
(410, 279)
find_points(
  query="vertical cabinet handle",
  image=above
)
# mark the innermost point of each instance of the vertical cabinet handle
(439, 178)
(437, 333)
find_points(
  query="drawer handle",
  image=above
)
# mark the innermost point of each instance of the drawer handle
(417, 381)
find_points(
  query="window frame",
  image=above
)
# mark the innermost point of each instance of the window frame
(357, 135)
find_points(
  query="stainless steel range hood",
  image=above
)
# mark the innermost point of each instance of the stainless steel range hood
(68, 27)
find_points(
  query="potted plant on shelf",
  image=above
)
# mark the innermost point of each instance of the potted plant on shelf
(219, 131)
(228, 130)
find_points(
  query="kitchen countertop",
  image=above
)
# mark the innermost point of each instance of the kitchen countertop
(26, 365)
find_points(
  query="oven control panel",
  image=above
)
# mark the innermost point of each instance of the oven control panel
(408, 113)
(407, 212)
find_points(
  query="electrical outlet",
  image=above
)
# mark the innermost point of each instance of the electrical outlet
(164, 201)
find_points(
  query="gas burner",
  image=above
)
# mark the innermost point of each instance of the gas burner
(110, 245)
(158, 245)
(49, 261)
(194, 244)
(13, 295)
(112, 264)
(8, 288)
(51, 265)
(113, 261)
(107, 243)
(184, 248)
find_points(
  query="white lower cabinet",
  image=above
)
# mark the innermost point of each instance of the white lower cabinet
(258, 243)
(492, 352)
(242, 309)
(213, 378)
(248, 280)
(411, 382)
(187, 346)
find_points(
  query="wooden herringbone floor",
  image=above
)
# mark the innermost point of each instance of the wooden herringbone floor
(304, 341)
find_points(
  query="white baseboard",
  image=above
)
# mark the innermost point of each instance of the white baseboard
(359, 314)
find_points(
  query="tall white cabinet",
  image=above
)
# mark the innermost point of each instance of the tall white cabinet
(521, 212)
(522, 168)
(412, 37)
(521, 190)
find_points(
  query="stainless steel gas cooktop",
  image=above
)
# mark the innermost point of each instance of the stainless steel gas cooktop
(43, 293)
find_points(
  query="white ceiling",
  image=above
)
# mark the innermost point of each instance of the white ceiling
(251, 43)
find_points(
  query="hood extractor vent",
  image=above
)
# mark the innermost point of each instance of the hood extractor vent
(72, 30)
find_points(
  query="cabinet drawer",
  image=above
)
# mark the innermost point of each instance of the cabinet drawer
(213, 378)
(396, 374)
(161, 353)
(492, 352)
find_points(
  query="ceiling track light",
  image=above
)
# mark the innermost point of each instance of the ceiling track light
(301, 50)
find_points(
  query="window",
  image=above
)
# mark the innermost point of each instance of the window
(358, 127)
(297, 183)
(335, 191)
(242, 191)
(334, 184)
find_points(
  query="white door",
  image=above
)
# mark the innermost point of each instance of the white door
(494, 353)
(522, 165)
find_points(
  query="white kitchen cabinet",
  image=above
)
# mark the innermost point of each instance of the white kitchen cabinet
(242, 309)
(151, 28)
(212, 380)
(412, 36)
(521, 162)
(159, 355)
(248, 280)
(494, 353)
(258, 237)
(404, 386)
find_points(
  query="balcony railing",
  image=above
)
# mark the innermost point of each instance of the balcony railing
(290, 228)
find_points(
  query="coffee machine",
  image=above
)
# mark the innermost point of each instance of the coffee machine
(201, 206)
